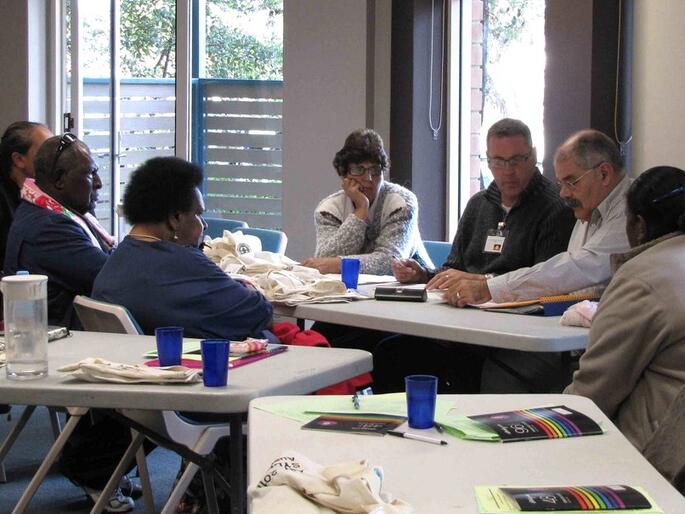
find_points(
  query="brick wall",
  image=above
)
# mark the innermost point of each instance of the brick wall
(477, 70)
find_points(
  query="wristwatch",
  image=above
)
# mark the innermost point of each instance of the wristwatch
(488, 276)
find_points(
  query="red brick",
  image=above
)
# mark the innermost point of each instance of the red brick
(476, 54)
(477, 10)
(476, 99)
(476, 77)
(476, 32)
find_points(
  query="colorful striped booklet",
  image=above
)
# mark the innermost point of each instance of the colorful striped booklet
(568, 499)
(538, 423)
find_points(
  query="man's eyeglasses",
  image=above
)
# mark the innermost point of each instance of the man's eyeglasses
(571, 184)
(680, 190)
(516, 160)
(359, 171)
(65, 141)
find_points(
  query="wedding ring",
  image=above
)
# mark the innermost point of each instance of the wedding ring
(458, 295)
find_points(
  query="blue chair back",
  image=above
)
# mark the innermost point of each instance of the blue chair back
(272, 240)
(216, 226)
(438, 251)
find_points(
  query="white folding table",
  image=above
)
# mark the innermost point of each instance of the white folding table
(441, 479)
(299, 370)
(437, 320)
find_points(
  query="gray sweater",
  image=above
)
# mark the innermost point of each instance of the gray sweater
(391, 231)
(538, 226)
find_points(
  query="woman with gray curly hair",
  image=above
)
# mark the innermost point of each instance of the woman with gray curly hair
(369, 218)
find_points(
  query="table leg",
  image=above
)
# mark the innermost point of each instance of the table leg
(12, 436)
(237, 473)
(50, 458)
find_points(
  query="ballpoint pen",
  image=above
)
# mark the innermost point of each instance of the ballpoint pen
(438, 427)
(417, 437)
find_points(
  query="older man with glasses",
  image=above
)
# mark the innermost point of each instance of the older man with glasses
(53, 232)
(589, 170)
(519, 220)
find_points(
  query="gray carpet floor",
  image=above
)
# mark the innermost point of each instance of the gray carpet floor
(57, 494)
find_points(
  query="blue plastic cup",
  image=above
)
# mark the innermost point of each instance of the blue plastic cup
(421, 393)
(350, 272)
(169, 345)
(215, 362)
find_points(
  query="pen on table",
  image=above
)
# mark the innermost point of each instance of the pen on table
(417, 437)
(355, 401)
(438, 427)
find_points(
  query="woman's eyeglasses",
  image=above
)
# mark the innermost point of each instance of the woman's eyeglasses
(359, 171)
(64, 142)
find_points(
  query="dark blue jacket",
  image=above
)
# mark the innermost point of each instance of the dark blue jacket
(166, 284)
(47, 243)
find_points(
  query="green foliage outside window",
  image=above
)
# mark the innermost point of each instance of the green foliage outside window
(148, 40)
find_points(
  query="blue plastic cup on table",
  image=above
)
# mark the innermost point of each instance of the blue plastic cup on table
(215, 362)
(349, 272)
(421, 394)
(169, 345)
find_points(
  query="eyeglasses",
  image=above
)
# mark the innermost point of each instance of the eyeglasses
(359, 171)
(65, 141)
(571, 184)
(680, 190)
(498, 162)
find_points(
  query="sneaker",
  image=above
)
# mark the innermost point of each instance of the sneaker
(116, 503)
(130, 486)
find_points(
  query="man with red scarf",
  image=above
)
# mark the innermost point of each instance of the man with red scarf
(53, 232)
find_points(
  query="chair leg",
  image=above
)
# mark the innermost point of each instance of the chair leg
(12, 436)
(145, 479)
(136, 442)
(76, 414)
(180, 488)
(210, 491)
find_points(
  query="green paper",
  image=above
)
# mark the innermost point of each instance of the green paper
(465, 428)
(189, 346)
(306, 408)
(491, 500)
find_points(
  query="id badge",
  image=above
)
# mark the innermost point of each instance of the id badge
(495, 241)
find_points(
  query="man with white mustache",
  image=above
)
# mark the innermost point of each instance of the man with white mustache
(589, 171)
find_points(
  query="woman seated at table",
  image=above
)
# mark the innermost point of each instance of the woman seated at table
(158, 271)
(634, 365)
(369, 218)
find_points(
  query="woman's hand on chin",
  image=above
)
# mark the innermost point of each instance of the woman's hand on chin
(323, 264)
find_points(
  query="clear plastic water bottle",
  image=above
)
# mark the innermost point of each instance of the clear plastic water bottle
(26, 324)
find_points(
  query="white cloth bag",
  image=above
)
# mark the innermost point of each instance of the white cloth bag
(293, 484)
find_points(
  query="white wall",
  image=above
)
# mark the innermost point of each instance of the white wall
(22, 61)
(324, 99)
(658, 84)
